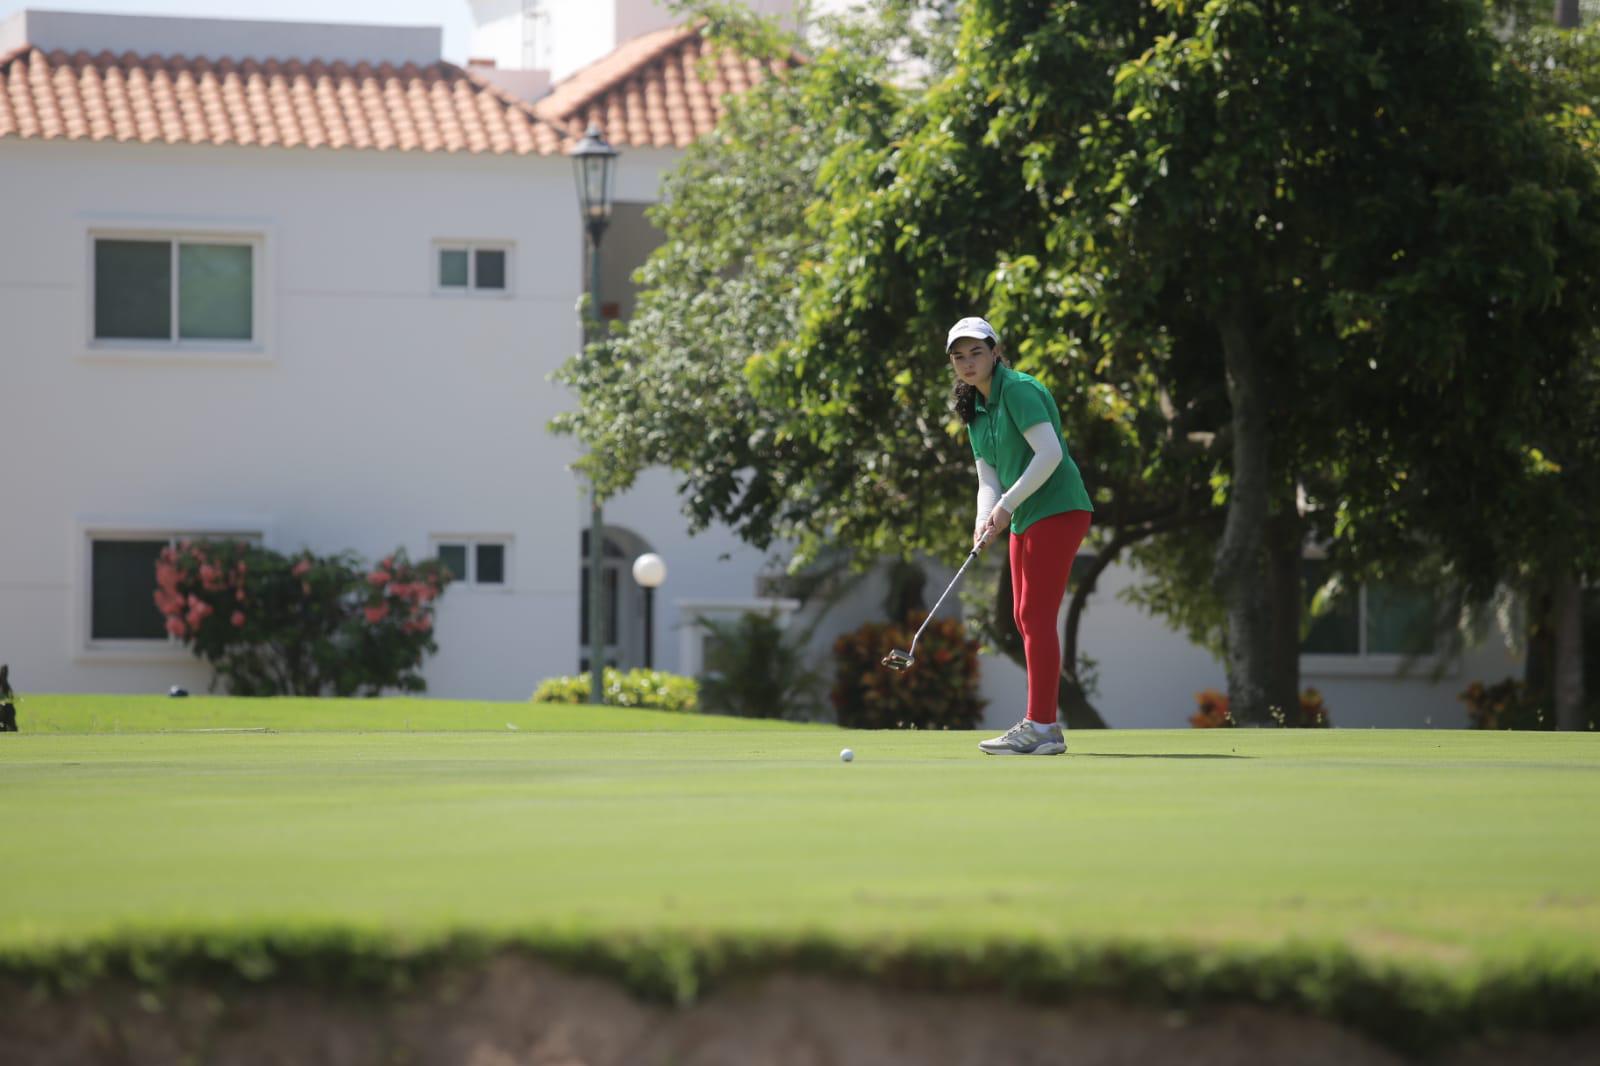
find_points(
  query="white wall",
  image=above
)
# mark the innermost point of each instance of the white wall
(1148, 674)
(378, 413)
(215, 38)
(571, 34)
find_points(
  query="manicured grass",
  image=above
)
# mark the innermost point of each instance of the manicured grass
(1438, 852)
(160, 714)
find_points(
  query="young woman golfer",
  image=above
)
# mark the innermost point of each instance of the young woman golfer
(1027, 483)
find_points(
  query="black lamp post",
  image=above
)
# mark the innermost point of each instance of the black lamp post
(594, 166)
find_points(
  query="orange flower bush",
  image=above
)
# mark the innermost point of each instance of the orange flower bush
(940, 691)
(301, 625)
(1213, 712)
(1505, 705)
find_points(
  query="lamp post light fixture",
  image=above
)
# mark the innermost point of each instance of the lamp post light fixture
(594, 166)
(649, 570)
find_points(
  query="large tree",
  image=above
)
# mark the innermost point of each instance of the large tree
(1289, 272)
(1335, 237)
(1560, 554)
(745, 217)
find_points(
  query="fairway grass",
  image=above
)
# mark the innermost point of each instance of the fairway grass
(1450, 854)
(51, 714)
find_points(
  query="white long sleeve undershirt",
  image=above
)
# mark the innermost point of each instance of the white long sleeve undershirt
(988, 492)
(1046, 457)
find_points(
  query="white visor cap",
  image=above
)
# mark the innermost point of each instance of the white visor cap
(971, 327)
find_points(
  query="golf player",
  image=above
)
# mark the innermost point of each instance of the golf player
(1029, 485)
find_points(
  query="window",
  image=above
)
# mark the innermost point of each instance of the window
(122, 584)
(694, 639)
(473, 561)
(175, 290)
(471, 268)
(1372, 619)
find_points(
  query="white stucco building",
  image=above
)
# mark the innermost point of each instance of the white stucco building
(306, 283)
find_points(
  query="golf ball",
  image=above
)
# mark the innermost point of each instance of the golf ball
(846, 755)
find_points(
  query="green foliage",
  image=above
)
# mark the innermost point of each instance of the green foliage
(722, 291)
(939, 691)
(1375, 197)
(1361, 195)
(302, 625)
(638, 687)
(755, 669)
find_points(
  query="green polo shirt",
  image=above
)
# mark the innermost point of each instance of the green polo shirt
(1018, 402)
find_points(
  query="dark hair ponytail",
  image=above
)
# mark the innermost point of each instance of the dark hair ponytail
(964, 397)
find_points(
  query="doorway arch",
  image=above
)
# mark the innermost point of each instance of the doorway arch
(630, 608)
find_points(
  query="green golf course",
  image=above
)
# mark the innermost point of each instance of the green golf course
(1454, 856)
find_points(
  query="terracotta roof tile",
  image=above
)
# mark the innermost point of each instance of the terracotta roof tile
(291, 103)
(661, 90)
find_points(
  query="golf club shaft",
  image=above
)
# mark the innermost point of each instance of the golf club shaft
(973, 554)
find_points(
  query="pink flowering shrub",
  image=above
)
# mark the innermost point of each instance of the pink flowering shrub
(302, 624)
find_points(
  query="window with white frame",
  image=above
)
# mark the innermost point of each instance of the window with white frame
(122, 583)
(695, 639)
(472, 268)
(1372, 619)
(175, 291)
(475, 560)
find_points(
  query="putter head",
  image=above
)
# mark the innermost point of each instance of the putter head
(898, 660)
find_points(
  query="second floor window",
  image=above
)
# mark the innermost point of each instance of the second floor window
(473, 561)
(468, 268)
(173, 290)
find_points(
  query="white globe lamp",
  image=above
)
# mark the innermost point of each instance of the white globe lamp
(650, 570)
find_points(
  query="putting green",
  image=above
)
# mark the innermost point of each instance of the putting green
(1438, 847)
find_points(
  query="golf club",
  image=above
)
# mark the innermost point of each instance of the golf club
(902, 660)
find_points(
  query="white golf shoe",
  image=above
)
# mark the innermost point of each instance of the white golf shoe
(1024, 739)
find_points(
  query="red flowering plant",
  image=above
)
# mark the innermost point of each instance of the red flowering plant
(306, 625)
(939, 691)
(1213, 712)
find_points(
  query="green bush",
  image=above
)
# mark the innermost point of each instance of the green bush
(755, 670)
(939, 691)
(303, 624)
(655, 689)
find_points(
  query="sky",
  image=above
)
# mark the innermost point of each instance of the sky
(453, 15)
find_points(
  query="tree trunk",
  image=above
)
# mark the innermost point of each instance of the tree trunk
(1567, 616)
(1072, 703)
(1239, 577)
(1538, 667)
(1286, 598)
(1568, 14)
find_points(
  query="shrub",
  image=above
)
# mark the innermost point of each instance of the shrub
(939, 691)
(754, 670)
(302, 625)
(1313, 713)
(654, 689)
(1213, 712)
(1511, 704)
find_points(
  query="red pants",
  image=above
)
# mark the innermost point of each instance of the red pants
(1041, 562)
